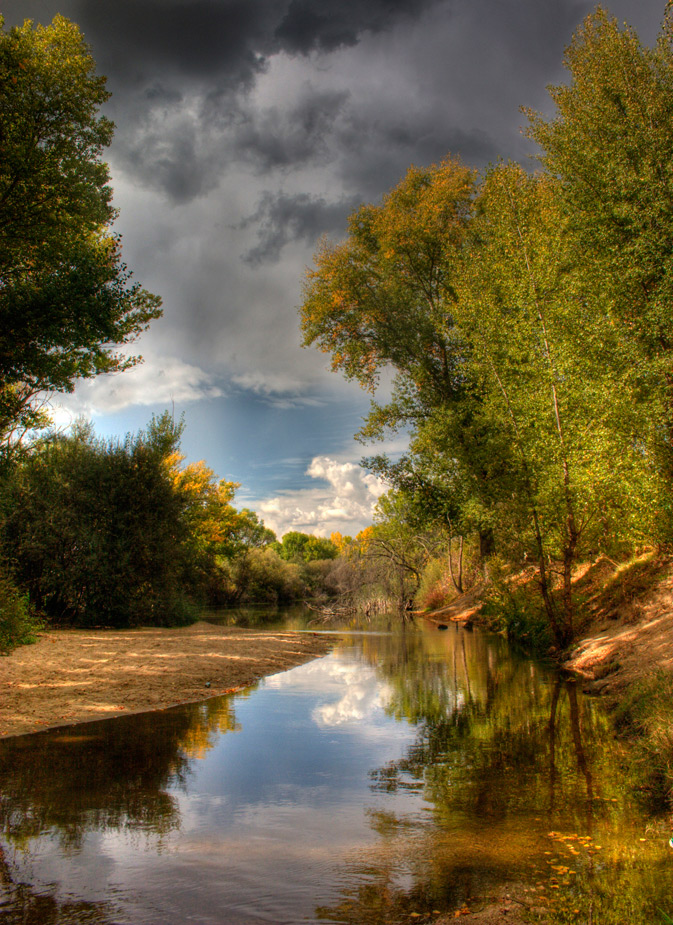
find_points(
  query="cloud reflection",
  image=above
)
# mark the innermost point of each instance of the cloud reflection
(353, 696)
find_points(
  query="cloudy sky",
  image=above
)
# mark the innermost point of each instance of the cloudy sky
(246, 129)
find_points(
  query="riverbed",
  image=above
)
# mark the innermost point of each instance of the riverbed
(403, 776)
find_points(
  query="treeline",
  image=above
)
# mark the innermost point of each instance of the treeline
(125, 533)
(527, 317)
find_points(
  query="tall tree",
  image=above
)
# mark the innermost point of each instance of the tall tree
(66, 297)
(384, 298)
(379, 299)
(557, 382)
(610, 144)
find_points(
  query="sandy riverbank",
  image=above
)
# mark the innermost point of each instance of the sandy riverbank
(72, 676)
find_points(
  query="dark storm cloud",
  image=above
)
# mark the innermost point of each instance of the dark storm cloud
(317, 25)
(375, 157)
(292, 137)
(181, 70)
(283, 218)
(229, 40)
(226, 40)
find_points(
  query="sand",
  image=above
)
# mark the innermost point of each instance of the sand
(73, 676)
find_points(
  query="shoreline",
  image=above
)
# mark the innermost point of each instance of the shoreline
(71, 676)
(625, 623)
(76, 676)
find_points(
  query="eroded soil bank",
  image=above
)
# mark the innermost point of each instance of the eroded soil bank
(72, 676)
(624, 622)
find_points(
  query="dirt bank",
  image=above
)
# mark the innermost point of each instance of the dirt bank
(626, 629)
(624, 621)
(71, 676)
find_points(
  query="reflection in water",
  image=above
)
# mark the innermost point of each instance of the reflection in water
(403, 773)
(117, 774)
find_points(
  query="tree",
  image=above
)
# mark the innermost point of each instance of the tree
(375, 300)
(302, 547)
(610, 144)
(402, 543)
(558, 383)
(66, 297)
(384, 299)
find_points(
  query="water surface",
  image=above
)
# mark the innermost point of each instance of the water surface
(403, 773)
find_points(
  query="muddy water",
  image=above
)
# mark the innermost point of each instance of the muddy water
(400, 776)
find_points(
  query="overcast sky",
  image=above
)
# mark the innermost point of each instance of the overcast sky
(245, 130)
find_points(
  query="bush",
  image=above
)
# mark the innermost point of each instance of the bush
(262, 576)
(512, 606)
(96, 530)
(18, 626)
(435, 589)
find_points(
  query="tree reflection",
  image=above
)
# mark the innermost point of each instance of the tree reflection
(506, 753)
(105, 775)
(21, 904)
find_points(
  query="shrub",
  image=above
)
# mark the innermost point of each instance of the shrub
(512, 606)
(18, 626)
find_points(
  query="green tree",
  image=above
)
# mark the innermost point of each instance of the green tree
(402, 544)
(96, 531)
(558, 383)
(302, 547)
(66, 297)
(379, 299)
(385, 298)
(610, 144)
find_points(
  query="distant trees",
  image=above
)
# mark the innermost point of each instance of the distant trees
(303, 547)
(527, 319)
(66, 297)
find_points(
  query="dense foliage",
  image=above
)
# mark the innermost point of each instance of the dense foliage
(96, 531)
(66, 297)
(124, 533)
(527, 320)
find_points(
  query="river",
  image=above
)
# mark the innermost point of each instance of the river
(402, 775)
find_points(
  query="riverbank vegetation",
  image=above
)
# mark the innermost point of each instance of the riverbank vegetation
(526, 317)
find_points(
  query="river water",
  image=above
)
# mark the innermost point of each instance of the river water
(404, 774)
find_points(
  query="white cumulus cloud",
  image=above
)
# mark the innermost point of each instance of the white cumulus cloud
(344, 503)
(155, 381)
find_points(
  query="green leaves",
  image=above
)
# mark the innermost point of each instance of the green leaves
(66, 297)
